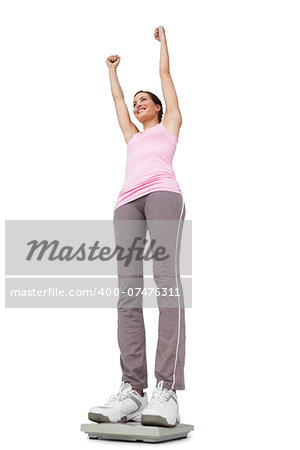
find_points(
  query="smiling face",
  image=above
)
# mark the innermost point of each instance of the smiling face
(144, 108)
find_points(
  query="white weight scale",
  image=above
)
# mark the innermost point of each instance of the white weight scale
(135, 431)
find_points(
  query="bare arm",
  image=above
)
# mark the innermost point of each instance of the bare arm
(172, 114)
(128, 128)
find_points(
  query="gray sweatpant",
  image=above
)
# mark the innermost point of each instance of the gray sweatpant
(154, 210)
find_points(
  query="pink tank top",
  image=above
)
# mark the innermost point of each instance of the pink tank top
(149, 164)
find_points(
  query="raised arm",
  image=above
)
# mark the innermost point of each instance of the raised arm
(172, 116)
(128, 128)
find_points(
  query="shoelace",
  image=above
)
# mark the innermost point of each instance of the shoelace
(120, 396)
(160, 394)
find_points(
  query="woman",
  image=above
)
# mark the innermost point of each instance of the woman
(151, 199)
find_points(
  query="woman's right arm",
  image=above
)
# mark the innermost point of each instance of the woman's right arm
(128, 128)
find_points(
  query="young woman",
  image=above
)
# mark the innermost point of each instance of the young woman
(151, 199)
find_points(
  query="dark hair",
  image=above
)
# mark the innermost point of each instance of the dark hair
(155, 100)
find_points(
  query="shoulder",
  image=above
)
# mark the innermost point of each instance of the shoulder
(172, 124)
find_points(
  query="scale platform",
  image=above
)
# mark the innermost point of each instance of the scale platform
(134, 431)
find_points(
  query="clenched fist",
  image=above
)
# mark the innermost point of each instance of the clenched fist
(113, 60)
(159, 33)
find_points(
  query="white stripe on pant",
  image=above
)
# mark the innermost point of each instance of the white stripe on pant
(179, 308)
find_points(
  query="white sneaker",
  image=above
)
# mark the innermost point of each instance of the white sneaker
(126, 405)
(162, 409)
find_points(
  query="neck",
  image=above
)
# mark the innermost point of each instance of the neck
(150, 124)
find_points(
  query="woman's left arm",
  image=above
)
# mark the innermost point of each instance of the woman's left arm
(172, 113)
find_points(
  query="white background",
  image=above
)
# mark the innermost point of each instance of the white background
(235, 66)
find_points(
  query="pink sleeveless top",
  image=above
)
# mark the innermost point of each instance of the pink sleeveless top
(149, 164)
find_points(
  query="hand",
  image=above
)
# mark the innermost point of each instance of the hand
(159, 33)
(113, 61)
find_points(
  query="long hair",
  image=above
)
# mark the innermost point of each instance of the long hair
(156, 101)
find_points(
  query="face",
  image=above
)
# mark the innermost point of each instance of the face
(144, 108)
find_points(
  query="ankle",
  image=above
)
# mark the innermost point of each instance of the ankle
(139, 391)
